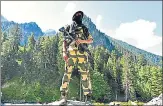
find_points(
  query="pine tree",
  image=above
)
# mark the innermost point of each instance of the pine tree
(15, 36)
(31, 42)
(156, 81)
(128, 78)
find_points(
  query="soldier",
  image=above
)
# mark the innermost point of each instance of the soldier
(75, 56)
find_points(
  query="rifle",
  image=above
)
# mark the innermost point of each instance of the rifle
(71, 37)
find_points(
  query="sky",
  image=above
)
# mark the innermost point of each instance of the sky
(138, 23)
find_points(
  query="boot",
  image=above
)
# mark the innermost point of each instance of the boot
(64, 97)
(87, 99)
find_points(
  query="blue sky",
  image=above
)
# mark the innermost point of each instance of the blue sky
(138, 23)
(116, 12)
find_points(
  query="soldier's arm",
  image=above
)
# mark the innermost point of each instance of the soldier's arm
(88, 41)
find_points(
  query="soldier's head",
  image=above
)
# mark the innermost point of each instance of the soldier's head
(77, 17)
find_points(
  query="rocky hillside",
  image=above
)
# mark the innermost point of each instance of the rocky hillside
(27, 29)
(101, 38)
(49, 32)
(3, 19)
(157, 101)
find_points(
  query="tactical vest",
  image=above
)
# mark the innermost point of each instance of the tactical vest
(78, 31)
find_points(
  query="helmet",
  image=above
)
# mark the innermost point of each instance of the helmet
(78, 13)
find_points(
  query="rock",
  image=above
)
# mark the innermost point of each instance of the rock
(133, 103)
(69, 102)
(114, 104)
(155, 101)
(56, 103)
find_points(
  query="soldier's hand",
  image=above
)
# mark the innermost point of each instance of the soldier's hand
(78, 41)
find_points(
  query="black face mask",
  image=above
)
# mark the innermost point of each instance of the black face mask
(78, 20)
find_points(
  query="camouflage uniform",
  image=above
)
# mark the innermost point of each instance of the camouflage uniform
(77, 60)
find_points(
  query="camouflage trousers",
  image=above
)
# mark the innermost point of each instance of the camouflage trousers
(79, 61)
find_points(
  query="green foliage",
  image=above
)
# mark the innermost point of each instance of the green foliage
(33, 72)
(30, 92)
(31, 42)
(98, 82)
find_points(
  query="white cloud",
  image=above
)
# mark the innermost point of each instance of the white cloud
(156, 49)
(70, 7)
(140, 34)
(31, 11)
(98, 21)
(110, 32)
(47, 14)
(69, 10)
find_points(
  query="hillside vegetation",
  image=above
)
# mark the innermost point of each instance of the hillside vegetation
(33, 72)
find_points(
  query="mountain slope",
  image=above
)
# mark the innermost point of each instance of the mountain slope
(27, 29)
(49, 32)
(152, 58)
(35, 73)
(3, 19)
(99, 38)
(111, 43)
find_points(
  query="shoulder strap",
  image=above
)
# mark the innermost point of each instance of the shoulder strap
(85, 29)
